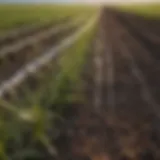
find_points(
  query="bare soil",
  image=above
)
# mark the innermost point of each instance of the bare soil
(18, 36)
(119, 119)
(12, 62)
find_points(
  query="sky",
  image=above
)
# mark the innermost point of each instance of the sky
(78, 1)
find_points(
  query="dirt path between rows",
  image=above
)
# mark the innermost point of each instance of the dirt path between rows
(120, 117)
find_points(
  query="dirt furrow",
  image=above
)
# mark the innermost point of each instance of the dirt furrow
(14, 61)
(150, 70)
(34, 39)
(126, 121)
(19, 34)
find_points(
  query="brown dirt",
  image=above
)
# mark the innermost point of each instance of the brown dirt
(14, 61)
(12, 39)
(124, 124)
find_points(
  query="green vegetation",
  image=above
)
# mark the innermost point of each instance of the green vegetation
(14, 16)
(152, 10)
(28, 126)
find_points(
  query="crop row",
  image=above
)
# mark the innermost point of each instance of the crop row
(35, 111)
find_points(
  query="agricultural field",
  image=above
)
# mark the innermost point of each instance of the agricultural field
(151, 10)
(37, 78)
(79, 82)
(22, 16)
